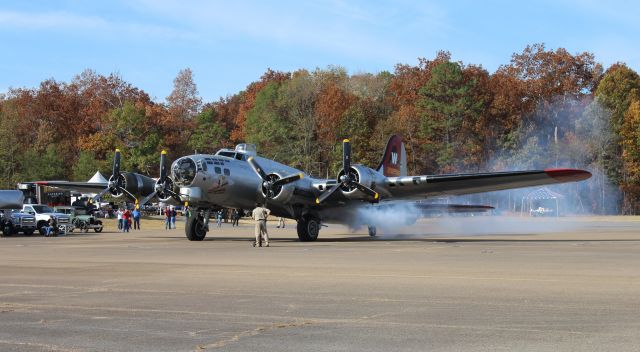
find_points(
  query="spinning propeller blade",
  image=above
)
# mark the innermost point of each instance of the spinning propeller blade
(116, 163)
(286, 180)
(346, 179)
(327, 193)
(164, 183)
(267, 182)
(346, 156)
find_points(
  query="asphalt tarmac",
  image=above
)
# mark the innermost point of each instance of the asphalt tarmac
(467, 284)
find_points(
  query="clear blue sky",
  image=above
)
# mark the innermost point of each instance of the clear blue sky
(229, 44)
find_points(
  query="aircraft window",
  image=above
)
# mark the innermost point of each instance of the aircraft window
(203, 165)
(209, 162)
(227, 154)
(240, 156)
(218, 171)
(227, 172)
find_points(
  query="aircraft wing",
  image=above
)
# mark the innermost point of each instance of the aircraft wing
(82, 187)
(408, 187)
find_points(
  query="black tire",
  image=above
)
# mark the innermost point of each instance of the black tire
(308, 228)
(372, 230)
(41, 226)
(29, 232)
(194, 229)
(7, 230)
(98, 229)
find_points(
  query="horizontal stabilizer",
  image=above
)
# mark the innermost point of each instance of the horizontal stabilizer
(453, 208)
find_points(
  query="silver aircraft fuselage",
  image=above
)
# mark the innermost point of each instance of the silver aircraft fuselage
(218, 181)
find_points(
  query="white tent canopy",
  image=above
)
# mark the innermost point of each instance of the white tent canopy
(98, 178)
(538, 195)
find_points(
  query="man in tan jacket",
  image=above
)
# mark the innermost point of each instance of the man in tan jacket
(260, 215)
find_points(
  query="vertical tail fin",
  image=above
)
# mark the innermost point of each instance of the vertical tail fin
(394, 159)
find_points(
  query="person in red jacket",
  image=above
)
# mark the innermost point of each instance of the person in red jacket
(126, 219)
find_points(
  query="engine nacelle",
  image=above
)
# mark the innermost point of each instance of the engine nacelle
(135, 184)
(363, 175)
(282, 194)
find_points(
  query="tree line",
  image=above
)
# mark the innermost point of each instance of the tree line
(545, 108)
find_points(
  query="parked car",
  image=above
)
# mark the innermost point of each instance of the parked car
(81, 218)
(43, 213)
(13, 221)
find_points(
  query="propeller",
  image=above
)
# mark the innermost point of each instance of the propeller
(348, 181)
(115, 185)
(164, 185)
(272, 183)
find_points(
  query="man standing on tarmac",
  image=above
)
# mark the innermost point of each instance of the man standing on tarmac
(136, 217)
(260, 215)
(235, 216)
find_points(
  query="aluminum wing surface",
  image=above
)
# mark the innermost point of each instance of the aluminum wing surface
(459, 184)
(81, 187)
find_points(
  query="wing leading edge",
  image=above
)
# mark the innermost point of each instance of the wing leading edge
(82, 187)
(460, 184)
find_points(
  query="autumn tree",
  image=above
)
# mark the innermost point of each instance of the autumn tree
(86, 166)
(402, 95)
(630, 135)
(619, 86)
(209, 134)
(265, 125)
(248, 96)
(447, 109)
(297, 99)
(11, 145)
(184, 102)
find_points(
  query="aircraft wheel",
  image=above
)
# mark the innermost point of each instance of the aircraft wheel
(195, 229)
(372, 231)
(308, 228)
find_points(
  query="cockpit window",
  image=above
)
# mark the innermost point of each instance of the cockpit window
(240, 156)
(227, 154)
(184, 171)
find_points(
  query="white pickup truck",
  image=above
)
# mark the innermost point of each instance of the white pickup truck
(43, 213)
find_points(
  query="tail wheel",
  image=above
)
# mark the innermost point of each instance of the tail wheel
(195, 229)
(308, 228)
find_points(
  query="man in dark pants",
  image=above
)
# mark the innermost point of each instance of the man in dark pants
(235, 216)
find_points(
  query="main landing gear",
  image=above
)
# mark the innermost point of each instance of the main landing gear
(197, 226)
(308, 228)
(372, 230)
